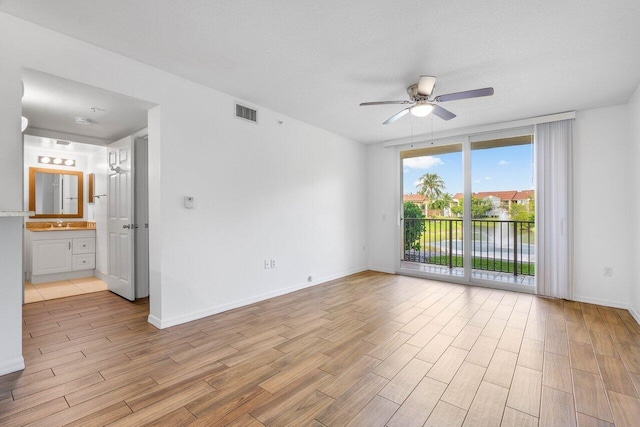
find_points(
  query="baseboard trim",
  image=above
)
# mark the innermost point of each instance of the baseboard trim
(597, 301)
(154, 321)
(14, 365)
(382, 269)
(634, 313)
(189, 317)
(100, 276)
(54, 277)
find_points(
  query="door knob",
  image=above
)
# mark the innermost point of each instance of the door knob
(126, 226)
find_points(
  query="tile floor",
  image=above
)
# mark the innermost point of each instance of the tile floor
(62, 288)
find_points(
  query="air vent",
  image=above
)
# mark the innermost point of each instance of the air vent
(246, 113)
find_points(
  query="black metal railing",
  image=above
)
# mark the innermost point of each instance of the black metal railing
(503, 246)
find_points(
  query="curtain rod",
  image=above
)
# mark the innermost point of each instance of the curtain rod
(472, 130)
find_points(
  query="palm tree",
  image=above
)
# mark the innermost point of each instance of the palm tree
(431, 187)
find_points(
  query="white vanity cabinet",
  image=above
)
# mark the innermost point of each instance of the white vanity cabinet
(60, 255)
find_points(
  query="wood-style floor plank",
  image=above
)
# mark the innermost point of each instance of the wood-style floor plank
(367, 349)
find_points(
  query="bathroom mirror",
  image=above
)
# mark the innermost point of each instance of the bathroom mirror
(55, 193)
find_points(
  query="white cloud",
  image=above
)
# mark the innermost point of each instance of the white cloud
(477, 181)
(488, 178)
(503, 163)
(405, 170)
(423, 162)
(417, 183)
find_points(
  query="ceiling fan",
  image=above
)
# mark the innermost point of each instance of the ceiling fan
(422, 102)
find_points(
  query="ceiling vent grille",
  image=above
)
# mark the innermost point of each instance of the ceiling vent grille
(246, 113)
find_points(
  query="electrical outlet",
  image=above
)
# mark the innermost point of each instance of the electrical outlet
(267, 264)
(608, 271)
(273, 263)
(310, 279)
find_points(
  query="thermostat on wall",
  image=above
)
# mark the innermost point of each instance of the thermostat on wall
(188, 202)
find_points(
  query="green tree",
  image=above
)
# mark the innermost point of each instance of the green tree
(479, 207)
(413, 225)
(519, 212)
(441, 203)
(431, 186)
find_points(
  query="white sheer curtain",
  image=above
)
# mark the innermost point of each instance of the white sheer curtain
(554, 209)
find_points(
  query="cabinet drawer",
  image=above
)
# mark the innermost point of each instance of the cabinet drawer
(84, 262)
(84, 246)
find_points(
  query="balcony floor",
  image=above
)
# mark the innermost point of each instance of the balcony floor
(475, 274)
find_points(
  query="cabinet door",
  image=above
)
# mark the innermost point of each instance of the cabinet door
(51, 256)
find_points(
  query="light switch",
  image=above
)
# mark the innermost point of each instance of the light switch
(188, 202)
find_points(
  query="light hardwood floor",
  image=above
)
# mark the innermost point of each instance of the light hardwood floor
(370, 349)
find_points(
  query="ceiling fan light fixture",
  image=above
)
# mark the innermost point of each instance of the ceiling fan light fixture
(422, 109)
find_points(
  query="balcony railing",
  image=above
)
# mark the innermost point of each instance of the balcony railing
(503, 246)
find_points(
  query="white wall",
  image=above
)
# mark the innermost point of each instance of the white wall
(289, 191)
(634, 199)
(97, 211)
(603, 218)
(604, 193)
(10, 228)
(383, 179)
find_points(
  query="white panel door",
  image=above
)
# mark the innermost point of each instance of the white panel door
(120, 231)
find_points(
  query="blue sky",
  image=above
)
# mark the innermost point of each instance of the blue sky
(494, 169)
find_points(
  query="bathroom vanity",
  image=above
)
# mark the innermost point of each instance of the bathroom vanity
(59, 251)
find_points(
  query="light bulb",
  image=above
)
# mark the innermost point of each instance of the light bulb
(421, 109)
(57, 161)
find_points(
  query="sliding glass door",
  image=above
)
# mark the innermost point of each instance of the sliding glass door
(468, 210)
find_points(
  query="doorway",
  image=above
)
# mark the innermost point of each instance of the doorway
(75, 123)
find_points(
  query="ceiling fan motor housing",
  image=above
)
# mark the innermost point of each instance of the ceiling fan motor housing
(412, 91)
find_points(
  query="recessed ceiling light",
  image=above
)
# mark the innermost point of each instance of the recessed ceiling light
(83, 121)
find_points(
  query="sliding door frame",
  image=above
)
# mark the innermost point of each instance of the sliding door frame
(466, 141)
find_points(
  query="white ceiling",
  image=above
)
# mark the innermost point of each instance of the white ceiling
(316, 61)
(52, 103)
(51, 145)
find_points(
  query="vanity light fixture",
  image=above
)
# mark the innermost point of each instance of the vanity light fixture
(56, 161)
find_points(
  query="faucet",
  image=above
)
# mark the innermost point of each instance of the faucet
(60, 223)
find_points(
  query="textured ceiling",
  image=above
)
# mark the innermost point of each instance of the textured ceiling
(316, 61)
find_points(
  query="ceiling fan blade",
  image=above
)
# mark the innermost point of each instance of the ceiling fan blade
(425, 85)
(364, 104)
(442, 113)
(487, 91)
(396, 116)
